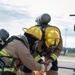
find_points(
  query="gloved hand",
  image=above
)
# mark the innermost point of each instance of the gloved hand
(44, 69)
(48, 64)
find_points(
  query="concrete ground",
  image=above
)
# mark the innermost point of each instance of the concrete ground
(69, 62)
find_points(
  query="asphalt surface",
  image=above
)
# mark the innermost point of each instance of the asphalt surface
(67, 62)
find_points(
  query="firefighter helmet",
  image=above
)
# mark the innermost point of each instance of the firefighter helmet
(52, 36)
(35, 31)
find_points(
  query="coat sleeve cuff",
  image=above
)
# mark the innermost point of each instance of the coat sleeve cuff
(53, 57)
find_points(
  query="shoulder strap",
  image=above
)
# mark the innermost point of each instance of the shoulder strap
(15, 37)
(11, 39)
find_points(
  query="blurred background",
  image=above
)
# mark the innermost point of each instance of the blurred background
(18, 14)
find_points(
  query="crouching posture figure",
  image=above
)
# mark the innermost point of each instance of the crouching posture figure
(48, 45)
(16, 50)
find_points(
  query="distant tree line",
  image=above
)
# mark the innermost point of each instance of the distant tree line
(69, 50)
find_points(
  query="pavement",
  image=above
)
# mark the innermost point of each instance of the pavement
(69, 62)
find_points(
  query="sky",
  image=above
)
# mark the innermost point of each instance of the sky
(18, 14)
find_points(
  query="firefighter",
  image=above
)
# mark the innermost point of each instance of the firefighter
(16, 51)
(49, 43)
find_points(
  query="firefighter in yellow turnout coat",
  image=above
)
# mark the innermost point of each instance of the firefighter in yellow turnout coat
(49, 43)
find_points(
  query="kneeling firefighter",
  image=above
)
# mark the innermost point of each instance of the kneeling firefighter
(49, 43)
(16, 49)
